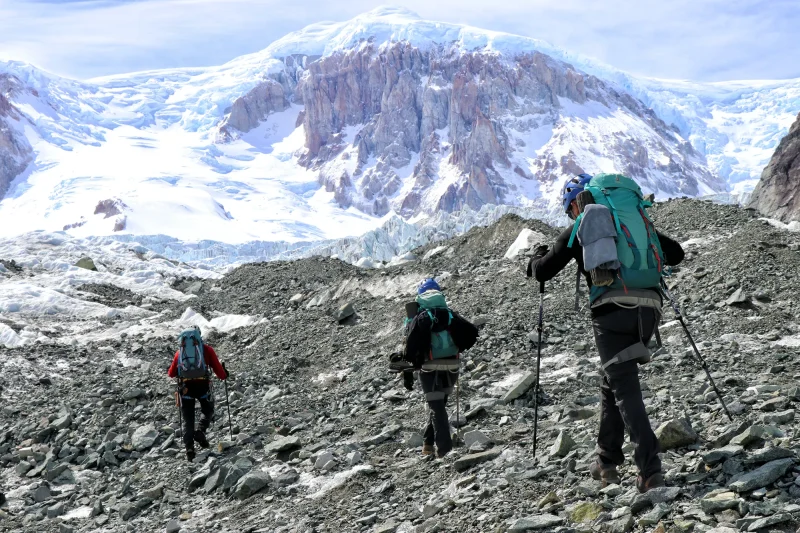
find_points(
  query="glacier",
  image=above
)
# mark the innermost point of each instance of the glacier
(147, 139)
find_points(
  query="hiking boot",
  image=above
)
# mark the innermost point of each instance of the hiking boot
(190, 455)
(200, 438)
(653, 482)
(427, 449)
(607, 474)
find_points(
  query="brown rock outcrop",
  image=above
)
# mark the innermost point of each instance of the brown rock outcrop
(778, 191)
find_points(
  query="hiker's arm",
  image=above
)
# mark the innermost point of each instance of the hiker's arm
(673, 252)
(213, 361)
(547, 267)
(173, 368)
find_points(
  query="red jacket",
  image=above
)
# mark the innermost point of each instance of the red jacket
(211, 360)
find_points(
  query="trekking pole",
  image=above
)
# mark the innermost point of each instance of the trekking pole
(694, 347)
(538, 368)
(178, 402)
(227, 402)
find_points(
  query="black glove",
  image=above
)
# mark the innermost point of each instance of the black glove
(408, 379)
(227, 374)
(540, 251)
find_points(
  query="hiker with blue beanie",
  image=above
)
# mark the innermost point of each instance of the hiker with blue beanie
(621, 255)
(435, 337)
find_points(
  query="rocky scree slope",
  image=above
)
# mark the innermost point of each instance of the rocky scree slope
(778, 192)
(324, 439)
(397, 127)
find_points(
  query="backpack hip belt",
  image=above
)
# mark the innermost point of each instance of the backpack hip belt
(442, 364)
(630, 299)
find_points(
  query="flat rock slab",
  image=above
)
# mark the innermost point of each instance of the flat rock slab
(467, 461)
(520, 387)
(762, 476)
(282, 444)
(534, 523)
(654, 497)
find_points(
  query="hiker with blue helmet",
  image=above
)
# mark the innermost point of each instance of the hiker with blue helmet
(435, 337)
(621, 255)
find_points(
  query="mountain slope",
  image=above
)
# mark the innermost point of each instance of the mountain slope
(778, 192)
(275, 146)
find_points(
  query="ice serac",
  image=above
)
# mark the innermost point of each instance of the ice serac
(15, 150)
(778, 192)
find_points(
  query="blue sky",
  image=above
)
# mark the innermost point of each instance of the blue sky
(704, 40)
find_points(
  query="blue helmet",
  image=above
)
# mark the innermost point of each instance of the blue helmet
(573, 188)
(428, 284)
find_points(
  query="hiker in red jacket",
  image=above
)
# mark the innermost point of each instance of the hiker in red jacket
(195, 384)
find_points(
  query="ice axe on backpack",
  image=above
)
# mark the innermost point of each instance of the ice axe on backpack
(694, 347)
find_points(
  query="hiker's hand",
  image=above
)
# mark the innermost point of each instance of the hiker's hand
(540, 251)
(408, 380)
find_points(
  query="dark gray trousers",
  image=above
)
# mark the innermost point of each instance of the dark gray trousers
(622, 404)
(437, 386)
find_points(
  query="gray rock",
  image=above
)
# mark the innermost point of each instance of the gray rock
(474, 437)
(467, 461)
(652, 518)
(654, 497)
(721, 454)
(520, 387)
(173, 526)
(763, 476)
(324, 460)
(144, 437)
(563, 445)
(534, 523)
(769, 454)
(768, 521)
(232, 477)
(215, 480)
(282, 444)
(751, 435)
(87, 263)
(345, 312)
(737, 298)
(55, 510)
(286, 478)
(719, 501)
(127, 511)
(251, 484)
(41, 494)
(415, 440)
(675, 433)
(353, 458)
(132, 394)
(781, 417)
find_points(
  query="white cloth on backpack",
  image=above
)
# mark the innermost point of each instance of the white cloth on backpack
(597, 235)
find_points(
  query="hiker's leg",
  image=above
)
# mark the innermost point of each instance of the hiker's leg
(427, 382)
(444, 386)
(206, 413)
(611, 434)
(187, 406)
(624, 381)
(613, 333)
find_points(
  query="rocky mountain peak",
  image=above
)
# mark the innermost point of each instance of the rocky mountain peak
(778, 192)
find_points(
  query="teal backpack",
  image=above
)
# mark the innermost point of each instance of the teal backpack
(191, 356)
(442, 344)
(638, 249)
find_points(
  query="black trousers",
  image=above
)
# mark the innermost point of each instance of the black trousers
(193, 393)
(437, 386)
(622, 404)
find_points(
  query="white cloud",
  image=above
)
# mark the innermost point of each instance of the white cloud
(696, 39)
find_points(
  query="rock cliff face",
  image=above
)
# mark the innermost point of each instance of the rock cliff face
(778, 192)
(15, 150)
(396, 127)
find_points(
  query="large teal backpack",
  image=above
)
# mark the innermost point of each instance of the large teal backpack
(191, 355)
(442, 344)
(638, 249)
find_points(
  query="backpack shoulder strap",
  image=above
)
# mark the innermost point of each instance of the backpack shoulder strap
(575, 230)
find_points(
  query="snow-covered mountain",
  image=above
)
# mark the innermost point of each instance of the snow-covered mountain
(332, 129)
